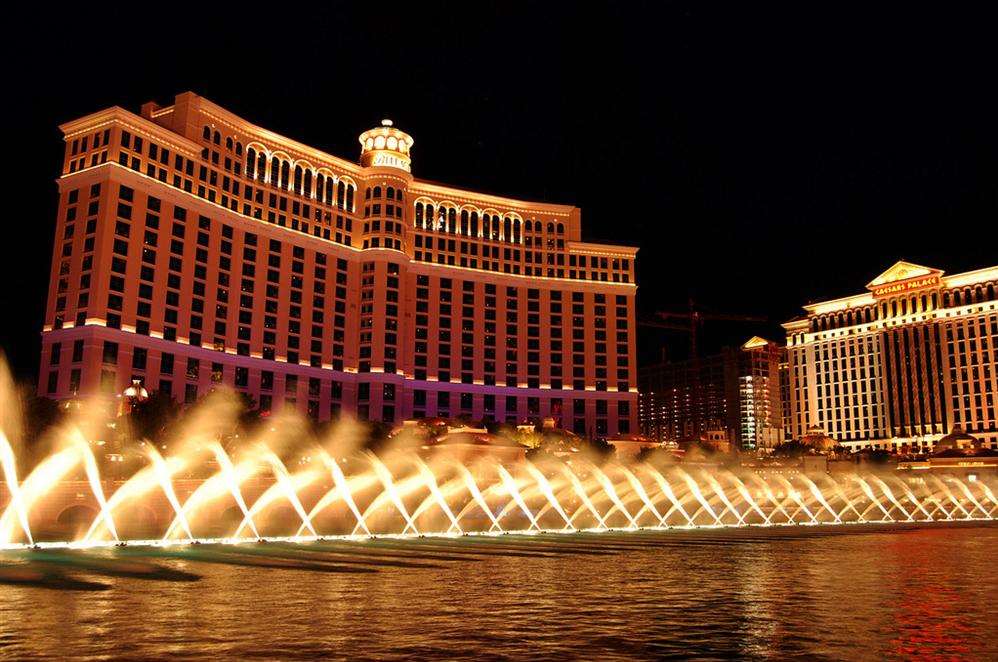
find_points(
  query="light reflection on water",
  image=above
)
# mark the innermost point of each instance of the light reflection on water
(715, 594)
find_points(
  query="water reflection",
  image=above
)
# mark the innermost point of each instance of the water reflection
(811, 593)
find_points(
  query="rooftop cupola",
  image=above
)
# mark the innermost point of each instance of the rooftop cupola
(386, 147)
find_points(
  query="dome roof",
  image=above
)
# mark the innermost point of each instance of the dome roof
(817, 439)
(386, 146)
(957, 440)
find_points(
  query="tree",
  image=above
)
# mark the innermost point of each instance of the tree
(537, 454)
(150, 418)
(600, 448)
(878, 456)
(377, 435)
(249, 412)
(791, 449)
(40, 414)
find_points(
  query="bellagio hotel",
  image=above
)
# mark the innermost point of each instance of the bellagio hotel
(194, 248)
(903, 363)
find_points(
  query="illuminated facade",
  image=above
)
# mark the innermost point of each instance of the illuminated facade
(902, 364)
(193, 248)
(737, 391)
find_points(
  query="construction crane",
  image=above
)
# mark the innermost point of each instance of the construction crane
(691, 320)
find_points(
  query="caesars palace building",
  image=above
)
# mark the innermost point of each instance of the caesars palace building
(193, 248)
(903, 363)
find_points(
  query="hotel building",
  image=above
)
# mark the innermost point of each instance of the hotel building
(737, 391)
(194, 248)
(903, 363)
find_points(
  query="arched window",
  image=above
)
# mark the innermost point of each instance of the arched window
(285, 174)
(529, 227)
(251, 163)
(390, 193)
(320, 186)
(308, 183)
(275, 171)
(464, 221)
(507, 229)
(298, 179)
(329, 191)
(516, 231)
(377, 191)
(350, 191)
(228, 142)
(217, 138)
(561, 229)
(239, 148)
(419, 214)
(261, 166)
(474, 224)
(452, 220)
(550, 227)
(206, 134)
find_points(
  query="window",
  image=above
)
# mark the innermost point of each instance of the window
(139, 358)
(110, 355)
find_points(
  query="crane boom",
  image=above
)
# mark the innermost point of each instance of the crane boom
(691, 319)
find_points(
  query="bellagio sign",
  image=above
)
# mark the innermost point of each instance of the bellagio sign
(390, 160)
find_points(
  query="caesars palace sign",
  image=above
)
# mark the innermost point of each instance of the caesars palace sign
(906, 286)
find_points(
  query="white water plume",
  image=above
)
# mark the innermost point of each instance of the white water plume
(283, 479)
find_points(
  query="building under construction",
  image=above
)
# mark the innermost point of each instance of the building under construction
(737, 392)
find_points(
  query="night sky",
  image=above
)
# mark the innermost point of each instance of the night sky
(761, 155)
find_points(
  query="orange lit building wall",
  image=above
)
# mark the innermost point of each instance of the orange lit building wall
(194, 248)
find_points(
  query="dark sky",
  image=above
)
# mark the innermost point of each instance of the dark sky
(761, 154)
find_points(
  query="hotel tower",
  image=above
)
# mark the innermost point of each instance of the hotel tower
(194, 248)
(903, 363)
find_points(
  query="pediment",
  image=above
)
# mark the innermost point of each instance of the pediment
(900, 271)
(755, 342)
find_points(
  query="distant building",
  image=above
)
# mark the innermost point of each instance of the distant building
(900, 365)
(760, 408)
(683, 399)
(737, 391)
(784, 369)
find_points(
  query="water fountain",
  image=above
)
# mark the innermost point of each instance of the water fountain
(204, 491)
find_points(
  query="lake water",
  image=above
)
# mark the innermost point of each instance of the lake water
(830, 593)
